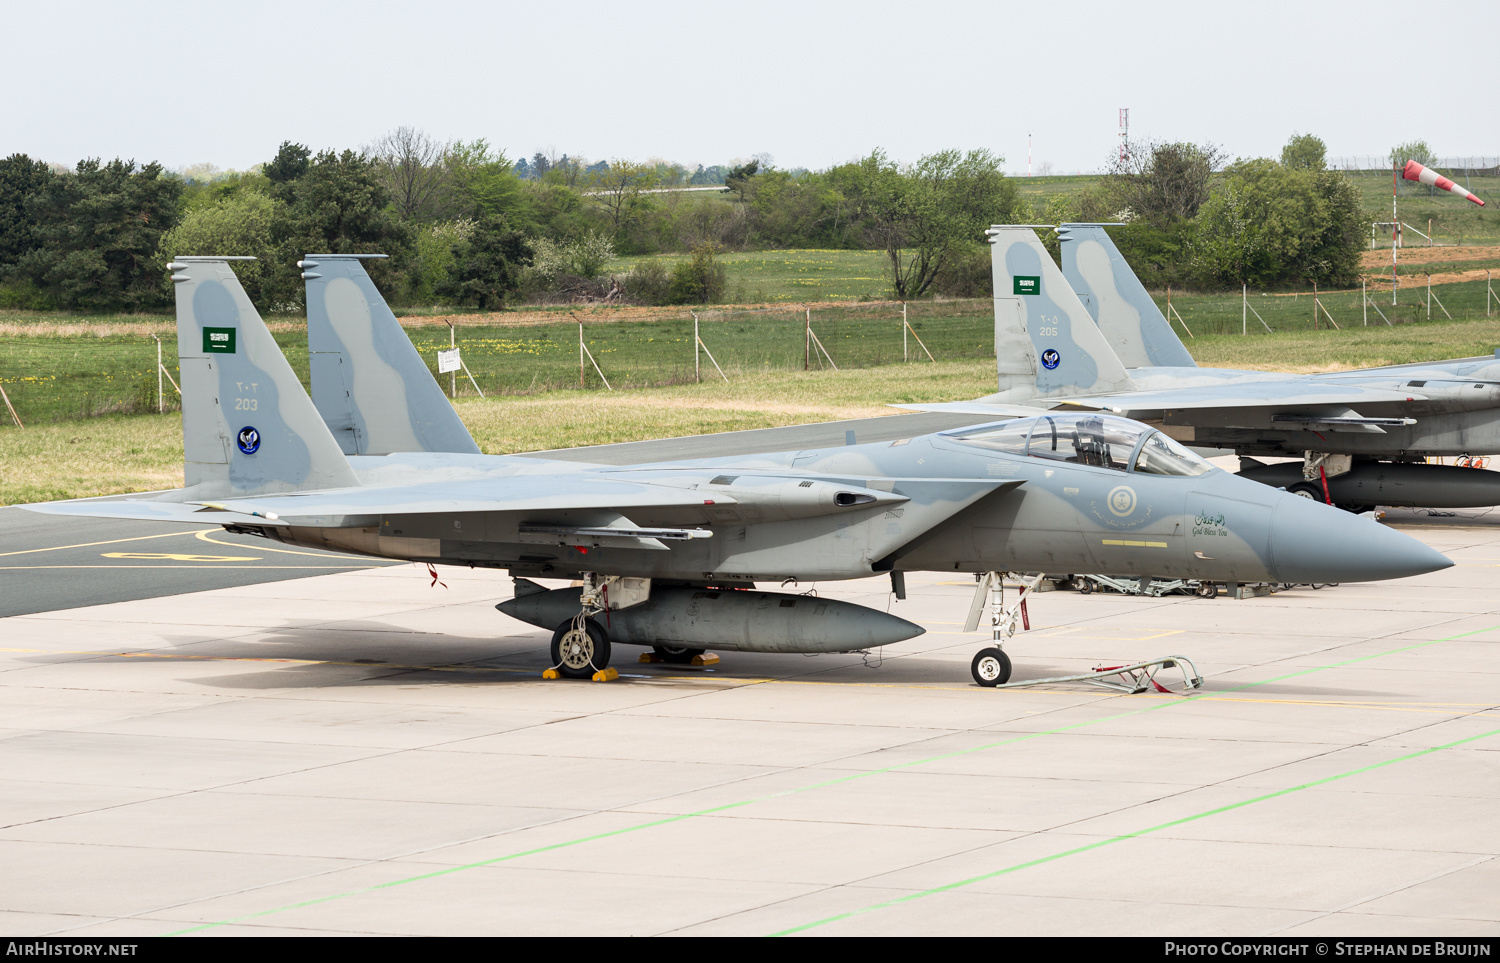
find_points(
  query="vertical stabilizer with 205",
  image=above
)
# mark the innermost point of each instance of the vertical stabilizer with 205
(248, 427)
(1046, 345)
(368, 382)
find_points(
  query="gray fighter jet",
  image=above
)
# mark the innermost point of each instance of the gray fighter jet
(1090, 337)
(668, 554)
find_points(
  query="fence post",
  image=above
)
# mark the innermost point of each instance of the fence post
(11, 408)
(807, 343)
(1315, 305)
(904, 356)
(452, 375)
(697, 371)
(161, 407)
(580, 354)
(1486, 293)
(1244, 309)
(1429, 295)
(1364, 302)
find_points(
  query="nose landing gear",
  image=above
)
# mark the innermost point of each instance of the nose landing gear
(991, 666)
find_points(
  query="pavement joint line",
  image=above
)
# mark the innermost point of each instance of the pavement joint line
(872, 772)
(1016, 867)
(1384, 893)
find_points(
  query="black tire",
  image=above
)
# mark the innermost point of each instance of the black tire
(1085, 586)
(991, 667)
(580, 661)
(676, 654)
(1307, 490)
(1206, 590)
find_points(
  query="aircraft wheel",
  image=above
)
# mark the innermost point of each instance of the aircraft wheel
(676, 654)
(1306, 490)
(578, 655)
(1085, 586)
(1206, 590)
(991, 667)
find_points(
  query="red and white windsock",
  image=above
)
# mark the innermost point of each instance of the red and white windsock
(1416, 172)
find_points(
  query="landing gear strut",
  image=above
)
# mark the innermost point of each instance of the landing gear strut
(991, 666)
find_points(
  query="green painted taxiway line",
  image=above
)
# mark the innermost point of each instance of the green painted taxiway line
(652, 824)
(949, 887)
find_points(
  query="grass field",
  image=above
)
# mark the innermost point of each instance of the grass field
(772, 276)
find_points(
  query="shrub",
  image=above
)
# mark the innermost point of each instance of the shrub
(648, 282)
(700, 280)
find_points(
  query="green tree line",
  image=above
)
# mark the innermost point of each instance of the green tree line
(464, 225)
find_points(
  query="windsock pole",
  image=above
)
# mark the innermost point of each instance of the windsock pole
(1395, 223)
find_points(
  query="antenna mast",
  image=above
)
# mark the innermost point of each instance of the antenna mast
(1124, 134)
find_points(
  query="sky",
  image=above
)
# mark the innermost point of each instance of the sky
(810, 83)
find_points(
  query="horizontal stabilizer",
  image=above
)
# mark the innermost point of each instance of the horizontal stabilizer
(147, 511)
(522, 493)
(996, 410)
(1254, 394)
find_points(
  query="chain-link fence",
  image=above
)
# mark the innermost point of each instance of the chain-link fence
(62, 371)
(53, 372)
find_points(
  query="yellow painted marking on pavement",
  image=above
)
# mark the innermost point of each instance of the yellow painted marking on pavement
(166, 556)
(283, 551)
(112, 541)
(1133, 544)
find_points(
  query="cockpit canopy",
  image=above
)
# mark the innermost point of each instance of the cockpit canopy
(1087, 438)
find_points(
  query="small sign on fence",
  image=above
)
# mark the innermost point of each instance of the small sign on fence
(448, 361)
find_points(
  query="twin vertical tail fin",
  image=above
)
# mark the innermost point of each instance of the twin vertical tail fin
(1135, 328)
(1046, 344)
(248, 428)
(368, 382)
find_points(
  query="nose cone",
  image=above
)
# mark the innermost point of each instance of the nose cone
(1311, 542)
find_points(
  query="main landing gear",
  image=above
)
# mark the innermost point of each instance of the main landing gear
(581, 645)
(580, 648)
